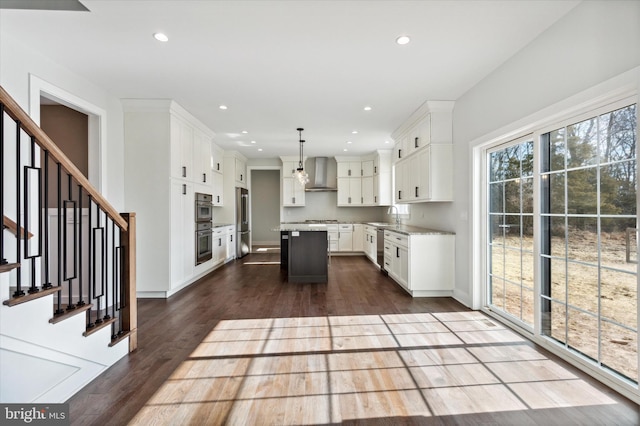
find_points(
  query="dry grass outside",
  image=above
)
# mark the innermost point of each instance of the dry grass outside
(577, 284)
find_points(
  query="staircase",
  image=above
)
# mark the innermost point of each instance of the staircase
(67, 269)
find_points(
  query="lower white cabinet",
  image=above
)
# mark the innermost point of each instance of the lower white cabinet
(345, 237)
(370, 243)
(423, 264)
(357, 237)
(231, 242)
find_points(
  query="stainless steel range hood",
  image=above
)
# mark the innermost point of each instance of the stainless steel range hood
(319, 176)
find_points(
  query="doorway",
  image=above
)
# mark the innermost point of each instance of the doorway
(265, 209)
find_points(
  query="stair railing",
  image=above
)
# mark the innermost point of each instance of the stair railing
(69, 240)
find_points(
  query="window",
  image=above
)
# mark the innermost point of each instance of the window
(510, 239)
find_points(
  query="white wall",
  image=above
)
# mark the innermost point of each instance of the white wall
(594, 42)
(17, 61)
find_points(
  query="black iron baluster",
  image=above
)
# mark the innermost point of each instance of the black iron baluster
(28, 182)
(59, 310)
(45, 217)
(90, 323)
(80, 254)
(67, 278)
(95, 292)
(18, 291)
(121, 293)
(107, 251)
(3, 261)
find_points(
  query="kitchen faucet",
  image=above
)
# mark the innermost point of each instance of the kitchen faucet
(397, 216)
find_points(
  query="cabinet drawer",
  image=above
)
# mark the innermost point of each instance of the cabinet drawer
(388, 248)
(398, 239)
(345, 227)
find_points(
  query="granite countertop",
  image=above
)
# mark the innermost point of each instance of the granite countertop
(413, 230)
(320, 225)
(298, 227)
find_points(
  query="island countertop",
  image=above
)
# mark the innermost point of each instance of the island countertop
(322, 226)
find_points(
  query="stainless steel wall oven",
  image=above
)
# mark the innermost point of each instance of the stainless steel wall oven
(204, 207)
(204, 242)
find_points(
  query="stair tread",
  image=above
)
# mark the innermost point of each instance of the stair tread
(29, 296)
(8, 267)
(68, 314)
(100, 326)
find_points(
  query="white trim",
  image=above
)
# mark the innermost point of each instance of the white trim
(97, 136)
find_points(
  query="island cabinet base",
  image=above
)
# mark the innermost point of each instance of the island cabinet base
(306, 256)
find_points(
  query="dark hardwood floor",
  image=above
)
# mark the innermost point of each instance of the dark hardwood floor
(255, 288)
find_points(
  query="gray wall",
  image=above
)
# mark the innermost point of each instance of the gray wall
(594, 42)
(265, 206)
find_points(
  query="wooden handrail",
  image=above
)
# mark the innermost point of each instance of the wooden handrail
(32, 129)
(13, 228)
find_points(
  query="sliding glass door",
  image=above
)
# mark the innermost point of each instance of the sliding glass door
(585, 218)
(588, 245)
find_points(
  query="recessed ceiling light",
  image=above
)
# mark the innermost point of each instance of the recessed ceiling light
(355, 132)
(161, 37)
(253, 141)
(367, 108)
(222, 107)
(386, 141)
(403, 39)
(260, 149)
(345, 150)
(348, 141)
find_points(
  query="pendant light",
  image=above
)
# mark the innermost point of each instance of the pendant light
(300, 174)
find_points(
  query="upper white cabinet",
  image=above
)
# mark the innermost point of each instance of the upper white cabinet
(423, 155)
(235, 165)
(293, 194)
(217, 175)
(364, 181)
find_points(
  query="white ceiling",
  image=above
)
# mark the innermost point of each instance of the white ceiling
(279, 65)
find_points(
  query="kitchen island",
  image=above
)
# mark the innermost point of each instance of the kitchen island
(303, 253)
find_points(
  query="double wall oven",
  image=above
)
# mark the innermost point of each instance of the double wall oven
(203, 219)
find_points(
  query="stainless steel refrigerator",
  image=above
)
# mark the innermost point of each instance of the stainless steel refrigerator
(242, 222)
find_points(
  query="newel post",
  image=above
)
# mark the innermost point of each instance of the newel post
(130, 310)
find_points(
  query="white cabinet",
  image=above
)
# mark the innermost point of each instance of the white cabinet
(370, 243)
(241, 172)
(235, 169)
(349, 191)
(425, 175)
(219, 244)
(423, 155)
(201, 158)
(367, 168)
(181, 148)
(423, 264)
(182, 229)
(345, 237)
(217, 175)
(351, 168)
(231, 242)
(358, 237)
(365, 181)
(293, 194)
